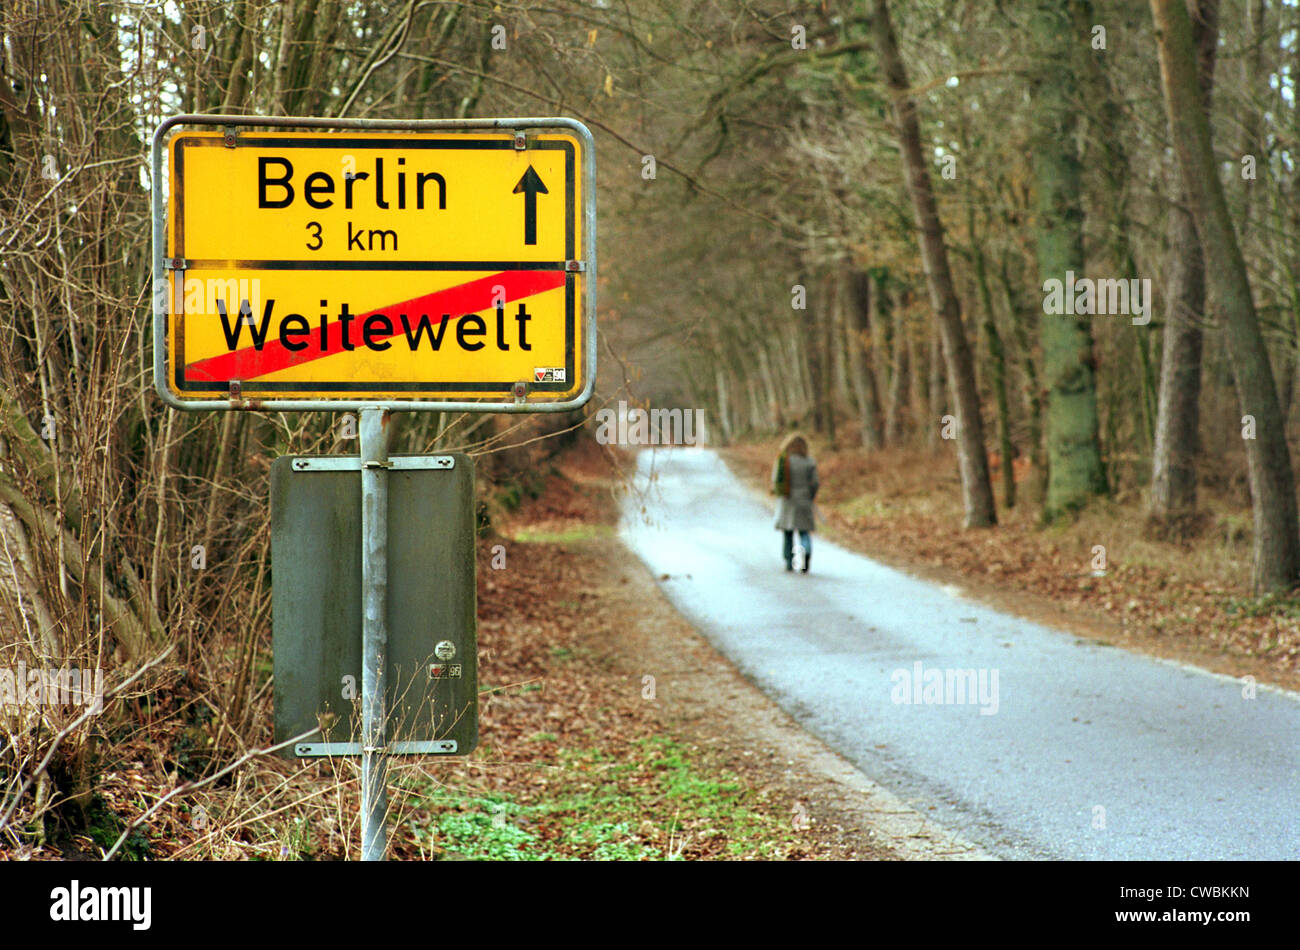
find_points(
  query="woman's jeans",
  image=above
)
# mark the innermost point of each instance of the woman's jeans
(787, 545)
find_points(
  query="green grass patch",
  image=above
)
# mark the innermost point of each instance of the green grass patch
(484, 689)
(652, 801)
(1269, 605)
(512, 494)
(104, 827)
(869, 506)
(574, 535)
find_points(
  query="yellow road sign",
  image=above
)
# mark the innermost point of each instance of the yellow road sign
(418, 269)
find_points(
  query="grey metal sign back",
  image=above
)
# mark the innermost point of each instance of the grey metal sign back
(431, 671)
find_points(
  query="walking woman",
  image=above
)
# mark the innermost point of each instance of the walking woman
(794, 482)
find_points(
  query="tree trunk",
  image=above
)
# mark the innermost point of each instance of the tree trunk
(977, 492)
(1256, 86)
(997, 364)
(826, 337)
(769, 388)
(899, 382)
(810, 337)
(1107, 131)
(1277, 541)
(800, 395)
(835, 340)
(920, 399)
(1286, 385)
(881, 334)
(938, 391)
(1033, 390)
(1173, 460)
(857, 291)
(724, 402)
(1075, 473)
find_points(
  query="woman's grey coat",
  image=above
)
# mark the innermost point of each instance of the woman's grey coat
(796, 512)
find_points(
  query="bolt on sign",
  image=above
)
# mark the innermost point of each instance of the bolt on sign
(433, 266)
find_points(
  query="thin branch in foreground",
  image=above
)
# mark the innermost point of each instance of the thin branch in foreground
(72, 727)
(195, 786)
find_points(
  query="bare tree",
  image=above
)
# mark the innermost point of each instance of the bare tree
(977, 492)
(1272, 485)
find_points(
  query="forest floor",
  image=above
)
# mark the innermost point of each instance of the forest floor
(609, 729)
(1188, 602)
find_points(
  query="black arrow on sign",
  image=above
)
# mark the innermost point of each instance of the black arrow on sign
(531, 186)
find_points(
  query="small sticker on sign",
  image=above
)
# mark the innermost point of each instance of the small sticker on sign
(445, 650)
(549, 374)
(445, 671)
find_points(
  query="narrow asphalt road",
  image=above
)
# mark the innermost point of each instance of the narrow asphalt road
(1063, 749)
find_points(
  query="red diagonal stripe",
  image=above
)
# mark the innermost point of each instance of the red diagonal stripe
(454, 302)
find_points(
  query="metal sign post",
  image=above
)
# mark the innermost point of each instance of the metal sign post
(374, 265)
(374, 429)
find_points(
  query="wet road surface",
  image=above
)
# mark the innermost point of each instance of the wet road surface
(1031, 742)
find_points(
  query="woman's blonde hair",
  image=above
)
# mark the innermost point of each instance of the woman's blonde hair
(795, 444)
